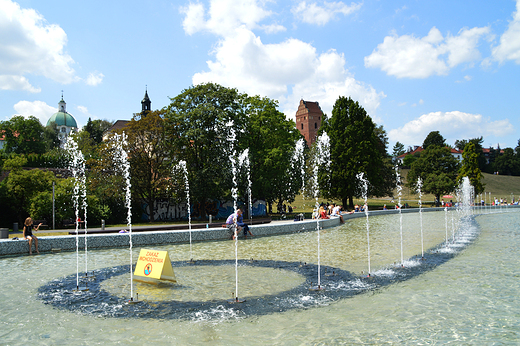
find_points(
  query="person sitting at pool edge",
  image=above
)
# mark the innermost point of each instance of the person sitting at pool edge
(27, 234)
(238, 220)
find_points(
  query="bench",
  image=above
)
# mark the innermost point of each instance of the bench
(43, 222)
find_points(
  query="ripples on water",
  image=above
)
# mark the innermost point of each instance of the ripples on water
(471, 299)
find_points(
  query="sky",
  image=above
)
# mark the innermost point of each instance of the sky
(415, 66)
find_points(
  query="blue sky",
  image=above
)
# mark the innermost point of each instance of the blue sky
(415, 66)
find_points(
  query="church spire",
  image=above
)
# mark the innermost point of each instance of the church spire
(146, 103)
(62, 105)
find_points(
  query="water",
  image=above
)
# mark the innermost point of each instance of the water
(79, 198)
(182, 166)
(471, 299)
(419, 192)
(364, 194)
(321, 162)
(122, 163)
(399, 189)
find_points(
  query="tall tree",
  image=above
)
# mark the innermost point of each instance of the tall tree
(508, 163)
(478, 141)
(438, 170)
(96, 128)
(271, 139)
(470, 168)
(354, 148)
(200, 124)
(434, 138)
(150, 161)
(398, 150)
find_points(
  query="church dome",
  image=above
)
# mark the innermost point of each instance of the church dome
(63, 119)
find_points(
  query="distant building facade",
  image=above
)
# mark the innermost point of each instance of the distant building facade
(308, 120)
(417, 149)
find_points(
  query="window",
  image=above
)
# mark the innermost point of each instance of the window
(64, 129)
(302, 126)
(315, 125)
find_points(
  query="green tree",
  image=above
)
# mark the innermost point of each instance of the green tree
(481, 159)
(398, 150)
(23, 136)
(105, 181)
(149, 154)
(507, 163)
(96, 128)
(200, 123)
(354, 148)
(434, 138)
(470, 168)
(271, 139)
(22, 185)
(51, 137)
(410, 159)
(437, 168)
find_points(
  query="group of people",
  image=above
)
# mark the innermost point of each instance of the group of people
(330, 211)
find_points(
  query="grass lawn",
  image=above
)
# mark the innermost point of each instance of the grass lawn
(500, 186)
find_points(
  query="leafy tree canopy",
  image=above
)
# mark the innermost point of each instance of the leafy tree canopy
(438, 169)
(23, 135)
(434, 138)
(355, 146)
(470, 168)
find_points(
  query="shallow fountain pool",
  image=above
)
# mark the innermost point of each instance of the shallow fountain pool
(471, 298)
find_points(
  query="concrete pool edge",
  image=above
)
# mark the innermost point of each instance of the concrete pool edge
(18, 247)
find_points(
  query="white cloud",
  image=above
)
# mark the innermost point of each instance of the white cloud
(224, 16)
(39, 109)
(244, 62)
(10, 82)
(410, 57)
(509, 47)
(95, 78)
(313, 13)
(29, 45)
(452, 126)
(194, 18)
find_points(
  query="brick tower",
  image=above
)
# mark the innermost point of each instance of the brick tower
(308, 120)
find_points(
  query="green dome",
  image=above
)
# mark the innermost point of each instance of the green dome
(63, 119)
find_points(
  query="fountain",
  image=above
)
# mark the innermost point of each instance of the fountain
(79, 200)
(182, 166)
(364, 194)
(419, 192)
(321, 160)
(275, 284)
(399, 189)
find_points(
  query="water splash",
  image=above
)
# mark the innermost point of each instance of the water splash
(364, 193)
(399, 193)
(419, 192)
(321, 160)
(234, 192)
(244, 162)
(77, 167)
(298, 164)
(182, 166)
(121, 160)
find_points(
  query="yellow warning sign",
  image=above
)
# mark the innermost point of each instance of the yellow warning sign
(154, 265)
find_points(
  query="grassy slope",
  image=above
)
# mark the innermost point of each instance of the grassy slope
(500, 186)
